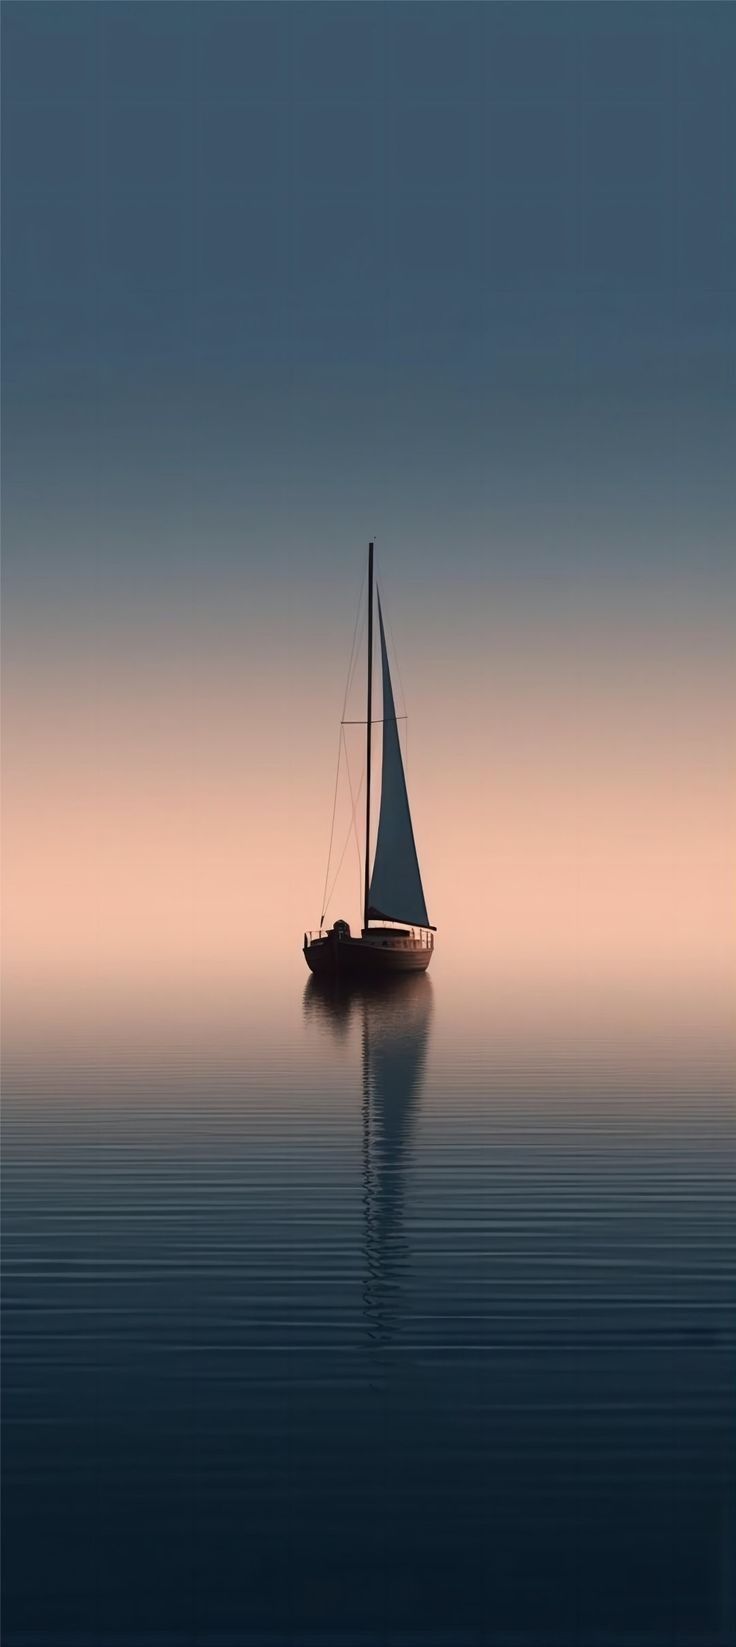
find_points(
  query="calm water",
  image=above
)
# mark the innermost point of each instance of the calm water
(370, 1320)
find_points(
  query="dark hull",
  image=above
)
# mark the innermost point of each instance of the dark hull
(358, 958)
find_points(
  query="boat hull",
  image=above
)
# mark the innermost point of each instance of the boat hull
(334, 956)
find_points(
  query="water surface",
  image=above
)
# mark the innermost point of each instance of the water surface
(369, 1318)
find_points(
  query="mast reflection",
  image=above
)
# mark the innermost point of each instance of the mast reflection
(394, 1022)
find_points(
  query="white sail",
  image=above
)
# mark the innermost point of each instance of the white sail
(396, 892)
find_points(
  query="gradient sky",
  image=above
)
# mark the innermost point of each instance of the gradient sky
(279, 278)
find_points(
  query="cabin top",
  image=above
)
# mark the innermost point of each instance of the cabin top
(388, 931)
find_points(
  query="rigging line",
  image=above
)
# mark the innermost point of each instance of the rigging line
(332, 830)
(352, 661)
(356, 656)
(342, 854)
(353, 650)
(351, 826)
(354, 804)
(377, 720)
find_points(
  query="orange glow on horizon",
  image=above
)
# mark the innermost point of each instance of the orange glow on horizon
(572, 824)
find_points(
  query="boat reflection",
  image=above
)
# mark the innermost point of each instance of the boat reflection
(394, 1022)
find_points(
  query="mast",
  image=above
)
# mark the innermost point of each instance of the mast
(369, 714)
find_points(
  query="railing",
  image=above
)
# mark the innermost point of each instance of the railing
(415, 935)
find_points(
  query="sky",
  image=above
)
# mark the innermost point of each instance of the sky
(277, 279)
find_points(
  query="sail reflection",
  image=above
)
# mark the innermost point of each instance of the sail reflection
(394, 1026)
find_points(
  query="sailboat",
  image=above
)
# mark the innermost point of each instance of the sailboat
(396, 936)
